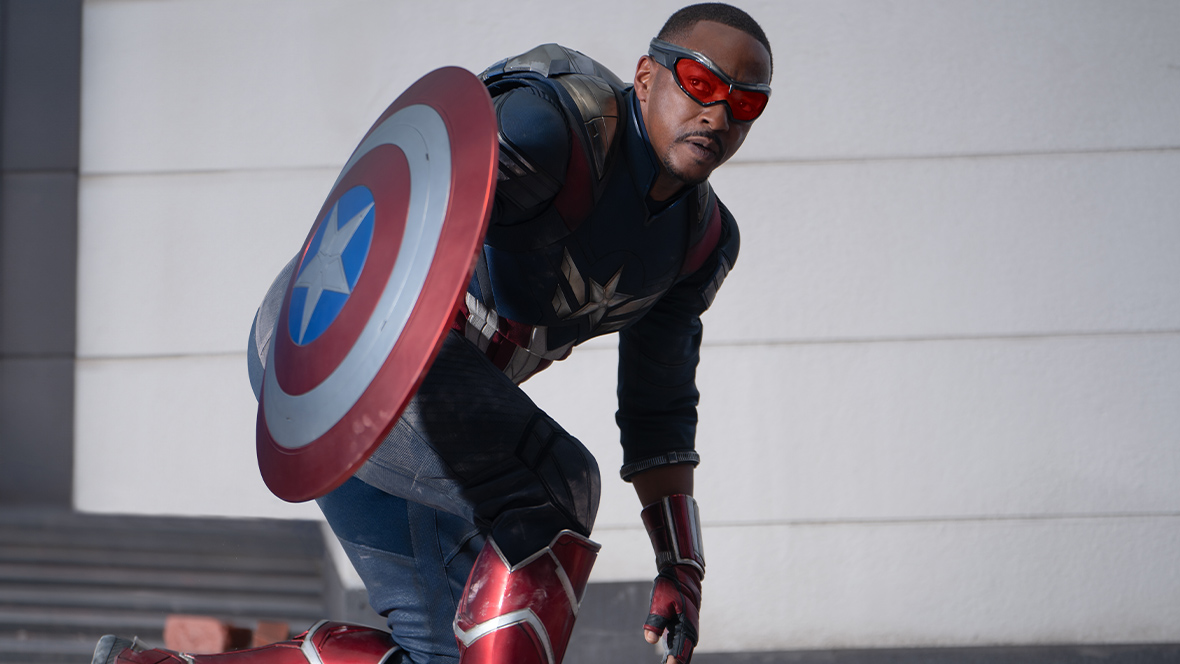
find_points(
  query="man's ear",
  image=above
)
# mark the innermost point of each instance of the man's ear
(643, 77)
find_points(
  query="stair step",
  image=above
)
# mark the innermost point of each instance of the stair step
(16, 650)
(56, 619)
(166, 601)
(280, 539)
(20, 575)
(211, 543)
(66, 579)
(159, 560)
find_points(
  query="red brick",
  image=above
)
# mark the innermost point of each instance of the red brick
(270, 631)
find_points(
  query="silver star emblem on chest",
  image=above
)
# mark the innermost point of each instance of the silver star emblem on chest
(594, 299)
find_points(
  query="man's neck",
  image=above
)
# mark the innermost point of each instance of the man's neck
(665, 187)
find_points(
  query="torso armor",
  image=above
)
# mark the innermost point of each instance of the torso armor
(576, 248)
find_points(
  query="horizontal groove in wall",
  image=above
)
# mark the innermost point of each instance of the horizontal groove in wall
(931, 520)
(952, 156)
(34, 357)
(38, 171)
(100, 175)
(100, 359)
(1094, 653)
(803, 160)
(735, 344)
(1016, 336)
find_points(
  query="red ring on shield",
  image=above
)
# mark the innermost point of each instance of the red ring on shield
(386, 173)
(297, 463)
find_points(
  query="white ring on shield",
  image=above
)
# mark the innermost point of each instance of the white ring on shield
(295, 421)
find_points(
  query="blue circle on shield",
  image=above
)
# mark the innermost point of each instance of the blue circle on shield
(331, 266)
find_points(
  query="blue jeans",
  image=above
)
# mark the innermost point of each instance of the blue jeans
(413, 559)
(472, 456)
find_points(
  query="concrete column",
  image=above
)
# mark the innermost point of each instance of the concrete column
(40, 56)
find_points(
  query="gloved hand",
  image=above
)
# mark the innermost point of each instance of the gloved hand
(675, 607)
(674, 526)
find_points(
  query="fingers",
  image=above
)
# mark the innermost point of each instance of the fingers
(653, 639)
(675, 646)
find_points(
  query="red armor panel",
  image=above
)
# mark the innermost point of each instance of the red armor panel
(523, 613)
(325, 643)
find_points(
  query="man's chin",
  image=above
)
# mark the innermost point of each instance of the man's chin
(688, 177)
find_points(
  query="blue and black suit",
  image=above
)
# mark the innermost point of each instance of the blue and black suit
(576, 248)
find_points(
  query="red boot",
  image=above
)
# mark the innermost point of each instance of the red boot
(325, 643)
(523, 614)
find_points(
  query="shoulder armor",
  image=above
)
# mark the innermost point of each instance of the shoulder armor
(598, 105)
(551, 60)
(594, 90)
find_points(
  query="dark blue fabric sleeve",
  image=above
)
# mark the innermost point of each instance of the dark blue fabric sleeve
(658, 357)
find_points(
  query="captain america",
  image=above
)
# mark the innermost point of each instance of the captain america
(470, 523)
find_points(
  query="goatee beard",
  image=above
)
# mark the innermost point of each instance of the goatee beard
(685, 179)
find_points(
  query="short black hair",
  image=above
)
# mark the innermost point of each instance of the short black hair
(680, 23)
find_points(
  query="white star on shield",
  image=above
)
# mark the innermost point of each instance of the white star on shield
(325, 270)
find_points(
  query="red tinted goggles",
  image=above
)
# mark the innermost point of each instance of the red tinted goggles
(706, 84)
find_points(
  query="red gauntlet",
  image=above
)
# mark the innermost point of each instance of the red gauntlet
(674, 526)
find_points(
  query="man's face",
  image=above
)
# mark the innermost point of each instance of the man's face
(692, 140)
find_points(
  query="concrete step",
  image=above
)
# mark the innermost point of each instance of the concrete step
(31, 650)
(140, 535)
(66, 579)
(203, 603)
(161, 560)
(56, 620)
(19, 575)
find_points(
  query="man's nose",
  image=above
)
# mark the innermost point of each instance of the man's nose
(716, 116)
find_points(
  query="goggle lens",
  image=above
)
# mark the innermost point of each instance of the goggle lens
(703, 85)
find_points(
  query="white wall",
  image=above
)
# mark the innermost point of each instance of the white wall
(939, 391)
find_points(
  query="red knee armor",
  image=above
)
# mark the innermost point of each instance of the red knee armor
(524, 613)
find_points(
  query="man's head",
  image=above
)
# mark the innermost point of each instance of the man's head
(691, 122)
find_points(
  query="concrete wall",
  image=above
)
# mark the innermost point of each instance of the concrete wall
(939, 391)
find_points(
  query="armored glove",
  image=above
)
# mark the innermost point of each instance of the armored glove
(674, 526)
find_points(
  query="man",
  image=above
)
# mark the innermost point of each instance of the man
(469, 523)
